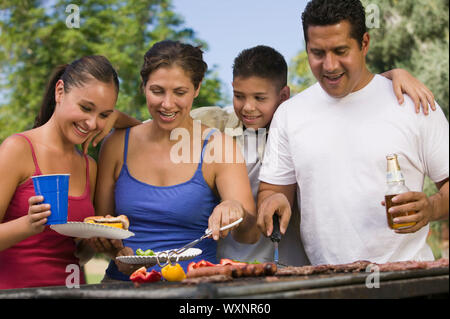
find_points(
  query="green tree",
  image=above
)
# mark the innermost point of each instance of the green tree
(300, 75)
(35, 37)
(413, 35)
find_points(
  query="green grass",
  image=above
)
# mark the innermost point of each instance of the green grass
(94, 278)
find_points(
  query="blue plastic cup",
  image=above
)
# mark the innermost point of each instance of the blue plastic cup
(55, 190)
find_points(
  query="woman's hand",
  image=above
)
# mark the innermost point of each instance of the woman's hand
(106, 246)
(37, 214)
(127, 269)
(224, 214)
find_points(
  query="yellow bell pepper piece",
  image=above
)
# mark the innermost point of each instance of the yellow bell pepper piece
(173, 272)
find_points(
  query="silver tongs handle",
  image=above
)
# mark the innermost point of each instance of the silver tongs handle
(208, 233)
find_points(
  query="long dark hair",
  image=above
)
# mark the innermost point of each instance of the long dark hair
(75, 74)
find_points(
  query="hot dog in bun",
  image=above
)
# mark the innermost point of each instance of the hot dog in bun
(120, 221)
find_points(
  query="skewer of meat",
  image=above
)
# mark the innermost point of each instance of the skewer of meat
(236, 271)
(209, 271)
(361, 266)
(254, 270)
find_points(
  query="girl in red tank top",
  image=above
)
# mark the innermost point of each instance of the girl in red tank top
(79, 100)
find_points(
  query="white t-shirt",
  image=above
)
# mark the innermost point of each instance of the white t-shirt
(335, 150)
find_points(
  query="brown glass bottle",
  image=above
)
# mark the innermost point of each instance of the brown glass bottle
(395, 186)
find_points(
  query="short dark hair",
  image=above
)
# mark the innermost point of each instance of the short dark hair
(261, 61)
(167, 53)
(329, 12)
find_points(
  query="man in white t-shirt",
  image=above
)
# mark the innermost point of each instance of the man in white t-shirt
(329, 144)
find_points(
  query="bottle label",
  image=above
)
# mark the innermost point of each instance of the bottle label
(395, 176)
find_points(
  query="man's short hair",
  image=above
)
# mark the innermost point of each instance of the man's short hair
(330, 12)
(261, 61)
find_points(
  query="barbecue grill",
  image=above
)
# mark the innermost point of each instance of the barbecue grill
(396, 284)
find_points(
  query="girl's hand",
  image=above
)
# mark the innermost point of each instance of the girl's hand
(37, 214)
(96, 136)
(404, 82)
(223, 214)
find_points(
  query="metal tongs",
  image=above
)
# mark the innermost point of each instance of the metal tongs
(181, 250)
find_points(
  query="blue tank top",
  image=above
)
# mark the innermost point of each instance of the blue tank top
(165, 217)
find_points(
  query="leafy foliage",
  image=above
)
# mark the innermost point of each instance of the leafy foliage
(34, 38)
(300, 75)
(413, 35)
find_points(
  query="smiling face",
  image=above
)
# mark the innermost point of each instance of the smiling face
(256, 99)
(82, 110)
(169, 92)
(337, 60)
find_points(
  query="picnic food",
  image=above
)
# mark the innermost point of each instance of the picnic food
(412, 265)
(209, 271)
(173, 272)
(209, 279)
(142, 276)
(233, 269)
(200, 264)
(141, 252)
(360, 266)
(120, 221)
(226, 261)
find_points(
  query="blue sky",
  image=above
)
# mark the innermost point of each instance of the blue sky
(229, 26)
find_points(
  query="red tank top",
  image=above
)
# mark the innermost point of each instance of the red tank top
(41, 260)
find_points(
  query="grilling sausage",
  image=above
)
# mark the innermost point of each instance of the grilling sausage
(269, 269)
(236, 271)
(255, 270)
(209, 271)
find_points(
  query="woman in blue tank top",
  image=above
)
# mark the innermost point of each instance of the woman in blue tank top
(172, 177)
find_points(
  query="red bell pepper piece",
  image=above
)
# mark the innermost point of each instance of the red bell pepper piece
(192, 265)
(142, 276)
(199, 264)
(226, 261)
(204, 263)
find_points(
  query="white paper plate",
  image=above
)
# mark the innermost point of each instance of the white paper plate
(153, 260)
(88, 230)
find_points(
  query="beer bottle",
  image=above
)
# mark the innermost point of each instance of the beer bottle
(395, 185)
